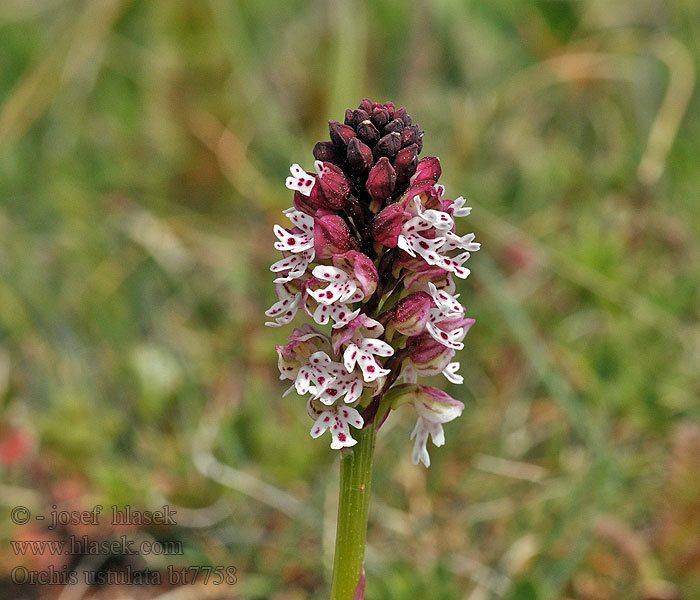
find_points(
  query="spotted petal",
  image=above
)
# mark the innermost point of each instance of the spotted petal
(300, 180)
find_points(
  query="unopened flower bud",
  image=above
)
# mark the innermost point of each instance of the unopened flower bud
(428, 169)
(358, 115)
(305, 204)
(403, 115)
(348, 116)
(366, 105)
(405, 163)
(331, 236)
(327, 152)
(380, 117)
(387, 146)
(386, 226)
(381, 179)
(359, 155)
(391, 108)
(340, 134)
(367, 132)
(395, 125)
(333, 185)
(410, 315)
(411, 135)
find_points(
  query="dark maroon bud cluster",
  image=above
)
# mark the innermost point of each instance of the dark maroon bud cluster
(377, 148)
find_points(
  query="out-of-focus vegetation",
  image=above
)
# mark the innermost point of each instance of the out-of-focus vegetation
(143, 150)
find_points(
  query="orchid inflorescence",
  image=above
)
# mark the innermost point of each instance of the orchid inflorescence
(373, 251)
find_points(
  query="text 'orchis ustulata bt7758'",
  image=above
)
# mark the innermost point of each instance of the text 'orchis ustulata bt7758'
(371, 254)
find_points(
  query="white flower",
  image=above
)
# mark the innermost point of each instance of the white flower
(294, 264)
(299, 245)
(361, 351)
(458, 208)
(327, 380)
(285, 308)
(438, 219)
(352, 278)
(300, 180)
(340, 313)
(338, 420)
(446, 303)
(341, 287)
(434, 407)
(420, 433)
(434, 249)
(451, 374)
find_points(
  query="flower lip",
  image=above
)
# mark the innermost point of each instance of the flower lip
(300, 180)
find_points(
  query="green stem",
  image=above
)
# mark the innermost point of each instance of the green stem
(353, 509)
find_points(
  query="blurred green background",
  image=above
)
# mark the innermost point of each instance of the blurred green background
(143, 151)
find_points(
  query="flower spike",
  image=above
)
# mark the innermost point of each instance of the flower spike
(371, 256)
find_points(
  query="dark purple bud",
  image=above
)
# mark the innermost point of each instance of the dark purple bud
(403, 115)
(386, 226)
(391, 108)
(333, 185)
(388, 146)
(366, 105)
(359, 155)
(381, 179)
(358, 116)
(348, 116)
(340, 134)
(405, 163)
(326, 152)
(331, 236)
(380, 117)
(367, 132)
(419, 143)
(410, 135)
(394, 125)
(305, 204)
(376, 105)
(428, 169)
(410, 314)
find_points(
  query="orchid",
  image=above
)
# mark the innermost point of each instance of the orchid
(371, 255)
